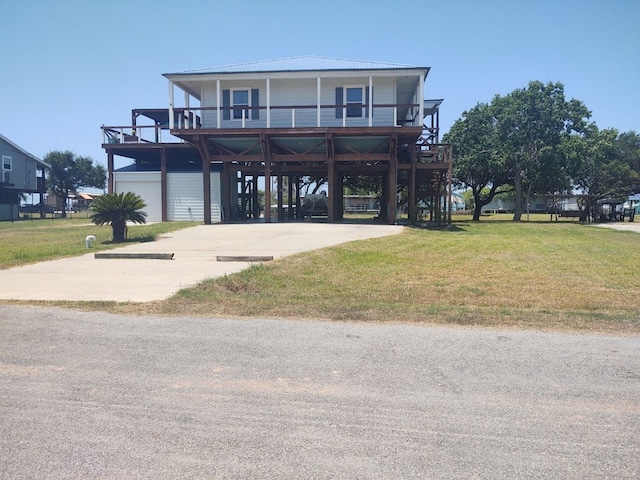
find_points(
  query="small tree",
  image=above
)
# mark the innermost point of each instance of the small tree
(116, 209)
(69, 172)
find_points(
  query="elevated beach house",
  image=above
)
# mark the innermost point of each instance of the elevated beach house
(20, 172)
(230, 131)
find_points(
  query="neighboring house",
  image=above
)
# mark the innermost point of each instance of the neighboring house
(20, 172)
(361, 203)
(82, 201)
(498, 205)
(243, 127)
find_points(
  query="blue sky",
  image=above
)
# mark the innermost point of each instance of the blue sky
(69, 66)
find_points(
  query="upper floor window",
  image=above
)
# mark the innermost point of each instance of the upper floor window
(7, 163)
(354, 101)
(240, 101)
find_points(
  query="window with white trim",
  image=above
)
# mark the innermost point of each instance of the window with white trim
(354, 100)
(240, 102)
(7, 163)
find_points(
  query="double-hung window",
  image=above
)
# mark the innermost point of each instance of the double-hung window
(7, 166)
(240, 104)
(354, 101)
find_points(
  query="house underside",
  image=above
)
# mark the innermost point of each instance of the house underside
(416, 172)
(283, 157)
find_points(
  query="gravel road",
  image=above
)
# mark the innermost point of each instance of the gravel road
(94, 395)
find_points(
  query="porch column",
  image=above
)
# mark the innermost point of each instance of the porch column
(331, 200)
(280, 194)
(290, 196)
(219, 105)
(339, 196)
(110, 178)
(331, 178)
(266, 157)
(370, 101)
(393, 178)
(206, 185)
(256, 197)
(420, 100)
(171, 115)
(206, 178)
(267, 192)
(412, 185)
(318, 101)
(268, 103)
(163, 183)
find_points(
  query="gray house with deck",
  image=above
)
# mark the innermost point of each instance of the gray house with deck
(20, 172)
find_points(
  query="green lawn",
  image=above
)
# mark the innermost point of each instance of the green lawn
(541, 275)
(30, 241)
(490, 273)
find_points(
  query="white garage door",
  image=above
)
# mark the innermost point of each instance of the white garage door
(185, 197)
(147, 186)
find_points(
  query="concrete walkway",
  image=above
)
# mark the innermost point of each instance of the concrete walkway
(624, 226)
(195, 249)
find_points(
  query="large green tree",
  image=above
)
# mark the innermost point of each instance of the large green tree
(531, 124)
(513, 143)
(479, 161)
(603, 163)
(116, 209)
(69, 172)
(628, 146)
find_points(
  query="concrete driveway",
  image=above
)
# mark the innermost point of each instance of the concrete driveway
(195, 251)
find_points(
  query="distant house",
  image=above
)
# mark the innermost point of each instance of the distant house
(20, 172)
(82, 201)
(231, 130)
(361, 203)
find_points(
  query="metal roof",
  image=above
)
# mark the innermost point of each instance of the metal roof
(302, 63)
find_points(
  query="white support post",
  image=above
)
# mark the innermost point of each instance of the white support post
(218, 103)
(268, 103)
(395, 116)
(318, 101)
(243, 118)
(171, 117)
(293, 118)
(420, 101)
(188, 113)
(370, 100)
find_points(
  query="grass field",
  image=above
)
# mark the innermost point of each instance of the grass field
(490, 273)
(541, 275)
(31, 241)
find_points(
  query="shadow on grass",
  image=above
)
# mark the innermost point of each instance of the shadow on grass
(456, 227)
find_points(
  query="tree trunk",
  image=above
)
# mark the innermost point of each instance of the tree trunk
(118, 229)
(477, 211)
(63, 213)
(517, 184)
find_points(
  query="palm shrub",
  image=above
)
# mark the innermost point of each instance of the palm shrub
(116, 209)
